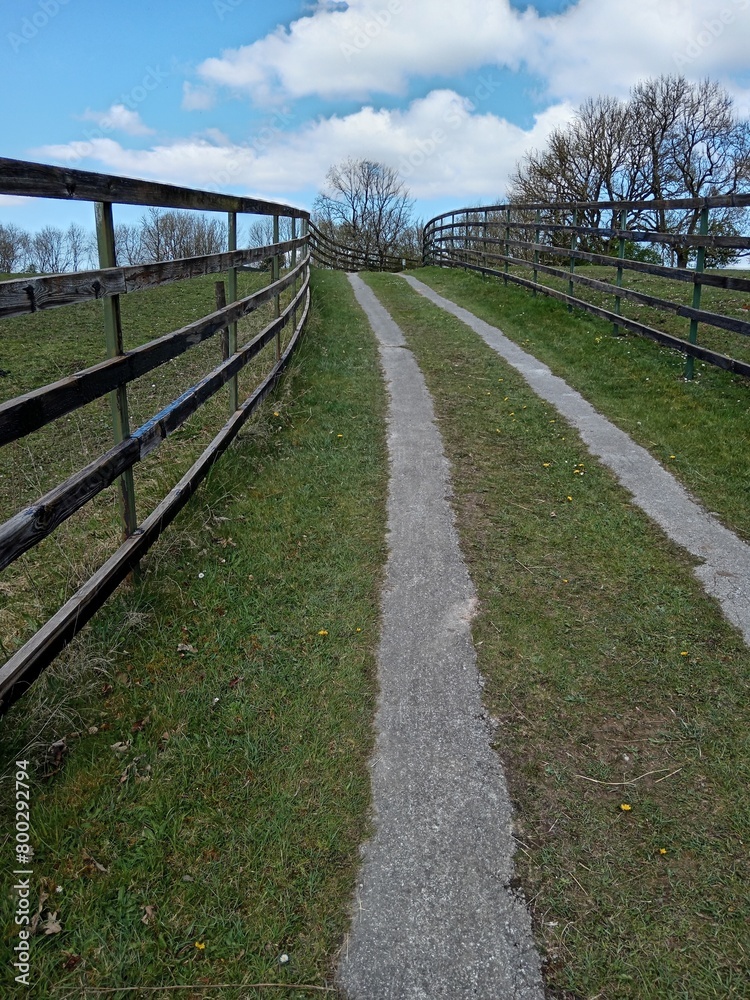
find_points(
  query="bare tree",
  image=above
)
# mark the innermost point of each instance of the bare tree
(14, 248)
(49, 252)
(367, 207)
(671, 139)
(129, 244)
(173, 235)
(80, 247)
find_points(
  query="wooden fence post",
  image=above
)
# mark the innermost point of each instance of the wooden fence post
(294, 264)
(623, 218)
(232, 294)
(573, 245)
(221, 301)
(118, 398)
(537, 233)
(276, 276)
(700, 267)
(507, 248)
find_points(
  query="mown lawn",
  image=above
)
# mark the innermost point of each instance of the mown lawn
(198, 822)
(620, 692)
(695, 428)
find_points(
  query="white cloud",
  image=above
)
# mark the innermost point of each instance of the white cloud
(118, 119)
(374, 46)
(197, 98)
(443, 145)
(595, 46)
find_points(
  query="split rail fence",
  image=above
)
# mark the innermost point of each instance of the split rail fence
(549, 241)
(33, 410)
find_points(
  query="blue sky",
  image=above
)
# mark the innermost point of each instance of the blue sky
(261, 98)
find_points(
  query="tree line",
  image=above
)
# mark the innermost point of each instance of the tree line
(670, 139)
(158, 236)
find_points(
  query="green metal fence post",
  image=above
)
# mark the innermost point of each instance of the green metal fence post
(537, 234)
(622, 220)
(232, 295)
(118, 398)
(485, 235)
(700, 266)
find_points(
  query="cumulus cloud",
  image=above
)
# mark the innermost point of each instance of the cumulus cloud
(443, 144)
(118, 119)
(376, 46)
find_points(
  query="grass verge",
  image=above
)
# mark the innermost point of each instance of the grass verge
(615, 680)
(693, 428)
(200, 814)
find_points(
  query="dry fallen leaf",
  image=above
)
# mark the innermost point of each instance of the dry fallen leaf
(121, 747)
(149, 912)
(50, 924)
(185, 647)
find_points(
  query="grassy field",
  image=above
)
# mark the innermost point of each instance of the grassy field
(696, 429)
(201, 818)
(49, 345)
(620, 691)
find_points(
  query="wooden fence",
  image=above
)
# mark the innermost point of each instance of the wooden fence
(29, 412)
(330, 254)
(536, 238)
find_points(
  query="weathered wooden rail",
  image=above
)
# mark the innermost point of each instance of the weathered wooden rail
(534, 237)
(330, 254)
(33, 410)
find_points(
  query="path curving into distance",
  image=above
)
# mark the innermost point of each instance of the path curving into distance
(435, 917)
(725, 559)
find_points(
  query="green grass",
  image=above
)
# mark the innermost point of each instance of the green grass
(694, 428)
(239, 675)
(614, 678)
(46, 346)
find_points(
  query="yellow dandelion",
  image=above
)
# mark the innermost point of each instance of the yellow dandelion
(276, 413)
(684, 653)
(200, 946)
(546, 464)
(625, 807)
(323, 631)
(570, 498)
(662, 850)
(359, 629)
(673, 456)
(339, 435)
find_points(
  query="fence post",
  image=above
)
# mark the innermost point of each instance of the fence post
(537, 233)
(466, 240)
(573, 244)
(623, 218)
(221, 301)
(118, 398)
(294, 264)
(507, 248)
(700, 266)
(485, 235)
(232, 294)
(276, 276)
